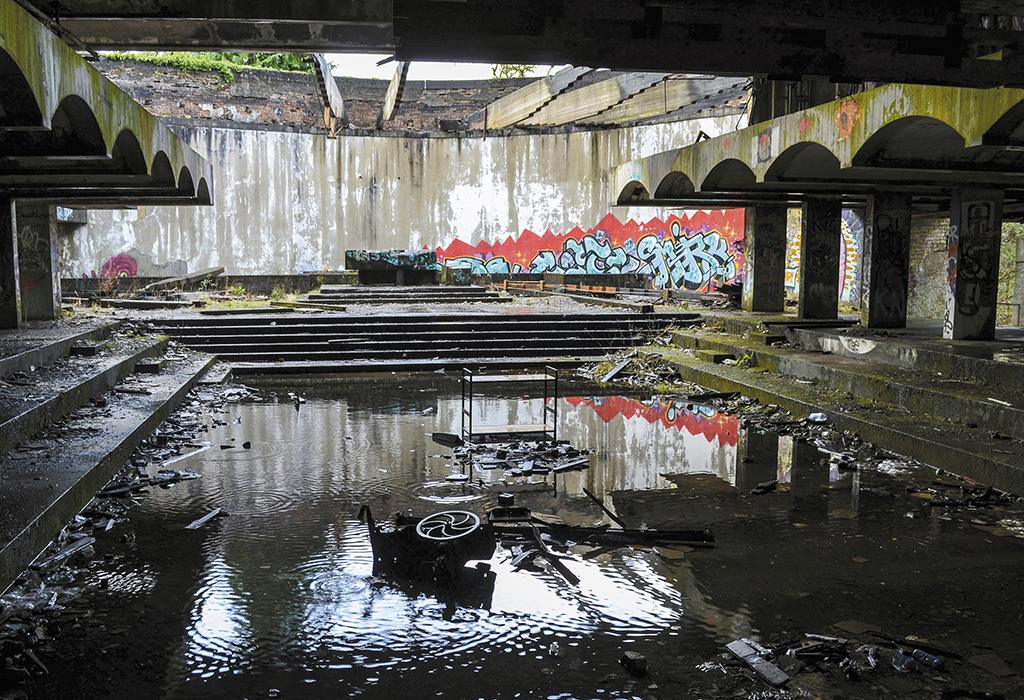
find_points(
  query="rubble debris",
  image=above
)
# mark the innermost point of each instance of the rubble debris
(637, 369)
(522, 458)
(745, 652)
(600, 504)
(614, 371)
(447, 439)
(199, 522)
(765, 487)
(64, 554)
(634, 662)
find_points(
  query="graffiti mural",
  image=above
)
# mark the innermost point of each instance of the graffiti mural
(849, 255)
(696, 251)
(680, 415)
(390, 260)
(135, 263)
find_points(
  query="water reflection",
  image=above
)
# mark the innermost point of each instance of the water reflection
(285, 586)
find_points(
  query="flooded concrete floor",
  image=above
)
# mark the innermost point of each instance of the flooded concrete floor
(279, 600)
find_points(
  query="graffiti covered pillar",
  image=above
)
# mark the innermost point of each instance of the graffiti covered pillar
(885, 263)
(10, 293)
(764, 251)
(37, 261)
(972, 268)
(819, 257)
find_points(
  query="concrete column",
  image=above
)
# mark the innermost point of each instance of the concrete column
(885, 261)
(10, 292)
(757, 458)
(1018, 288)
(819, 258)
(975, 227)
(764, 254)
(37, 261)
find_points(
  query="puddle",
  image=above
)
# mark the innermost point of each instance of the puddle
(279, 600)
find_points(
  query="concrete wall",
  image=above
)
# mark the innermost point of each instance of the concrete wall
(291, 202)
(928, 257)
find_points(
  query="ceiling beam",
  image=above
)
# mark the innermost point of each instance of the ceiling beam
(393, 97)
(526, 101)
(586, 101)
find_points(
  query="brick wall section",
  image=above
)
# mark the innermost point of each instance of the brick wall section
(928, 255)
(292, 99)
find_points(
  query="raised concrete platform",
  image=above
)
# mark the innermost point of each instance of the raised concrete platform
(46, 482)
(40, 343)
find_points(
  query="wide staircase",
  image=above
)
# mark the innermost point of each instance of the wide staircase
(290, 344)
(74, 403)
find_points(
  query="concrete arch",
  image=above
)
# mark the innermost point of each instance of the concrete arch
(633, 191)
(75, 129)
(127, 153)
(910, 140)
(675, 184)
(807, 160)
(161, 170)
(729, 174)
(185, 183)
(203, 195)
(19, 106)
(1008, 129)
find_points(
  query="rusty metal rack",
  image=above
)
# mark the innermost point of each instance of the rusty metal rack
(490, 433)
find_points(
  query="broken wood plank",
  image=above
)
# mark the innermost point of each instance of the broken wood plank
(592, 99)
(65, 553)
(601, 505)
(171, 282)
(618, 368)
(554, 560)
(198, 523)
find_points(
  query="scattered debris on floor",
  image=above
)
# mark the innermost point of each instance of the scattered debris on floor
(521, 458)
(633, 368)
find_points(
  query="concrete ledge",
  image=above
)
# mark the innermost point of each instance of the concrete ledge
(36, 416)
(935, 442)
(36, 352)
(37, 498)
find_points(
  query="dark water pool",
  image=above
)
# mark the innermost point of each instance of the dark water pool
(279, 600)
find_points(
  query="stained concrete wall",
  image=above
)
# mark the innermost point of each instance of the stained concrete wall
(928, 257)
(291, 202)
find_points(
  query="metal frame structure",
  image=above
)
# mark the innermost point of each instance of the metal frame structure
(549, 378)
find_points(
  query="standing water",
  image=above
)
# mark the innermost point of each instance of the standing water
(280, 600)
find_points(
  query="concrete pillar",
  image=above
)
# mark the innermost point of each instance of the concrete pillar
(764, 254)
(975, 227)
(10, 292)
(1018, 288)
(757, 458)
(819, 258)
(37, 261)
(885, 261)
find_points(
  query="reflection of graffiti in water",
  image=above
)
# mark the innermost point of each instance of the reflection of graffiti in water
(694, 251)
(694, 418)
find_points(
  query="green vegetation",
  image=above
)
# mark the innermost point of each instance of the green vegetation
(226, 64)
(511, 70)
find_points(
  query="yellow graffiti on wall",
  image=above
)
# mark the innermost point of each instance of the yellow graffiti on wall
(849, 283)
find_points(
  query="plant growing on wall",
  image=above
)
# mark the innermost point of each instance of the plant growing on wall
(511, 70)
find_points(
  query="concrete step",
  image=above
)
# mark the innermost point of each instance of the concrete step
(935, 441)
(318, 368)
(348, 289)
(405, 321)
(519, 336)
(257, 355)
(53, 391)
(34, 346)
(43, 488)
(992, 409)
(995, 363)
(370, 346)
(420, 299)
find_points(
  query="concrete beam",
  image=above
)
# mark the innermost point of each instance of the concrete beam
(664, 98)
(819, 258)
(975, 227)
(885, 261)
(591, 100)
(394, 94)
(527, 101)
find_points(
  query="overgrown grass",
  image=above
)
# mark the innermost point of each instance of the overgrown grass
(226, 65)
